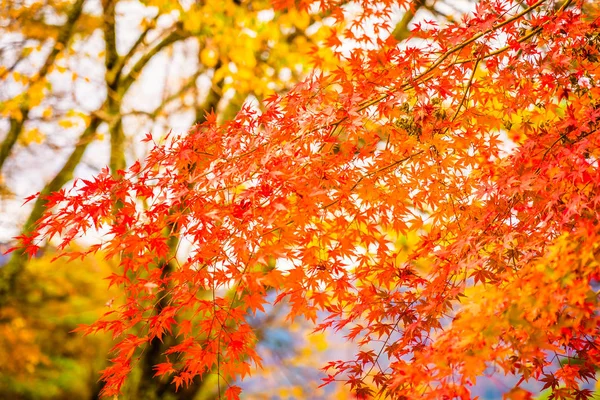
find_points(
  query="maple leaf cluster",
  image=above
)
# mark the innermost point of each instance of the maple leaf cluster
(481, 142)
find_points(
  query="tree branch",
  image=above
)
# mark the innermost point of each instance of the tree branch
(117, 146)
(128, 79)
(16, 124)
(118, 68)
(111, 61)
(111, 55)
(64, 36)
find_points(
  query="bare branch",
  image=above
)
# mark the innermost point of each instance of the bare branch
(111, 55)
(118, 68)
(174, 36)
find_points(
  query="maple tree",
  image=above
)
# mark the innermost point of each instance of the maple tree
(73, 92)
(478, 145)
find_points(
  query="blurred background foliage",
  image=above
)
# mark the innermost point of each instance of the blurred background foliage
(42, 358)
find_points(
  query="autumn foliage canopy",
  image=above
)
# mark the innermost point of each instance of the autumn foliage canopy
(437, 202)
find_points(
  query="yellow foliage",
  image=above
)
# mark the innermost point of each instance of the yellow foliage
(301, 20)
(209, 57)
(31, 136)
(36, 93)
(18, 344)
(318, 341)
(65, 123)
(47, 113)
(47, 360)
